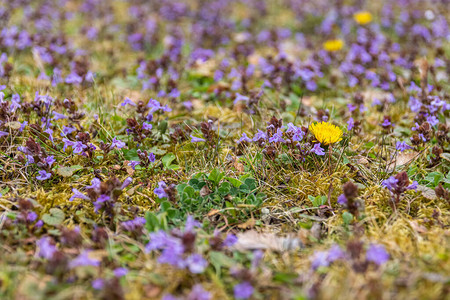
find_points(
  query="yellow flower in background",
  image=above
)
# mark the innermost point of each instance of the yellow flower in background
(363, 17)
(333, 45)
(326, 133)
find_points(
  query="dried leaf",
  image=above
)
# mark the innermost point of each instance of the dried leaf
(427, 192)
(13, 125)
(213, 212)
(248, 224)
(418, 228)
(205, 191)
(67, 171)
(252, 240)
(445, 156)
(402, 159)
(239, 166)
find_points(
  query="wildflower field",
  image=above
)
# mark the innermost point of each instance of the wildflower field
(224, 149)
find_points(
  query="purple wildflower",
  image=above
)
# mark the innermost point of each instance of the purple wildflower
(133, 225)
(377, 254)
(240, 97)
(43, 175)
(350, 124)
(83, 259)
(159, 191)
(127, 101)
(402, 146)
(46, 249)
(320, 259)
(317, 149)
(198, 293)
(126, 182)
(390, 183)
(196, 139)
(413, 186)
(31, 216)
(66, 131)
(50, 160)
(98, 284)
(133, 163)
(230, 240)
(78, 195)
(243, 290)
(100, 202)
(120, 272)
(117, 144)
(147, 126)
(342, 200)
(191, 223)
(277, 137)
(196, 263)
(58, 116)
(335, 253)
(78, 147)
(95, 184)
(244, 138)
(169, 297)
(260, 135)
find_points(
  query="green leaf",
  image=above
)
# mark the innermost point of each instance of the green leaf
(215, 176)
(235, 182)
(11, 215)
(224, 188)
(165, 205)
(219, 260)
(318, 201)
(251, 183)
(162, 127)
(167, 159)
(157, 151)
(130, 154)
(151, 221)
(285, 277)
(55, 217)
(347, 217)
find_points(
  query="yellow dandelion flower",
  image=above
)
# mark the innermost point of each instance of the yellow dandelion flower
(363, 17)
(333, 45)
(326, 133)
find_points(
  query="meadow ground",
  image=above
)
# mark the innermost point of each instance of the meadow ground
(224, 149)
